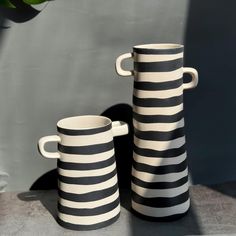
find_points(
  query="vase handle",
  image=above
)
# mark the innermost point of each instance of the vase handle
(194, 74)
(119, 69)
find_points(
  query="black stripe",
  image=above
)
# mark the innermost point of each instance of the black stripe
(85, 166)
(160, 66)
(154, 153)
(87, 180)
(159, 51)
(87, 227)
(86, 197)
(88, 211)
(159, 170)
(83, 132)
(161, 201)
(160, 185)
(158, 102)
(150, 86)
(161, 219)
(87, 150)
(158, 135)
(158, 118)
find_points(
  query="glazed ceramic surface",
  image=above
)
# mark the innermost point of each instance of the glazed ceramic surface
(87, 184)
(160, 188)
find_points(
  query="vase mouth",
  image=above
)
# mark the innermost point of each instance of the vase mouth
(160, 46)
(85, 122)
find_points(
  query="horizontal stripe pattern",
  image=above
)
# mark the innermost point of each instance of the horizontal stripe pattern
(159, 172)
(150, 193)
(158, 86)
(163, 213)
(89, 220)
(158, 118)
(157, 102)
(162, 66)
(148, 177)
(168, 93)
(158, 77)
(92, 204)
(86, 158)
(160, 201)
(87, 150)
(160, 185)
(87, 180)
(150, 58)
(155, 153)
(83, 188)
(92, 196)
(159, 161)
(159, 145)
(162, 127)
(89, 212)
(159, 135)
(156, 51)
(76, 226)
(88, 186)
(86, 166)
(74, 132)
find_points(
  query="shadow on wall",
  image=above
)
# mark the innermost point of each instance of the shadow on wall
(210, 108)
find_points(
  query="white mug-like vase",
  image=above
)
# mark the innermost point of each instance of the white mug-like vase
(87, 179)
(160, 188)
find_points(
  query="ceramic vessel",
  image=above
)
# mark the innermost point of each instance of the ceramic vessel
(87, 178)
(160, 188)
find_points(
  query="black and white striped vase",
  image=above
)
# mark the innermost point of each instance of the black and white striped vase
(87, 179)
(160, 188)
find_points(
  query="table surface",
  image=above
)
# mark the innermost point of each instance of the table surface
(213, 211)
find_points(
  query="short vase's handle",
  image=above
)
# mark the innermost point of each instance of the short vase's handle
(119, 128)
(194, 74)
(47, 139)
(119, 69)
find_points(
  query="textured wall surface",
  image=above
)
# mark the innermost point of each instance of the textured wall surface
(61, 63)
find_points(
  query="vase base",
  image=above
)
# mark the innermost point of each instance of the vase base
(87, 227)
(159, 219)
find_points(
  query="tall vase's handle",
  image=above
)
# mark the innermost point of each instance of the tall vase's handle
(43, 141)
(119, 128)
(119, 69)
(194, 74)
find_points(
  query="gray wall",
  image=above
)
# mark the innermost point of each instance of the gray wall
(61, 63)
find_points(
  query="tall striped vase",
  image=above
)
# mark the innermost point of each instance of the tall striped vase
(87, 178)
(160, 188)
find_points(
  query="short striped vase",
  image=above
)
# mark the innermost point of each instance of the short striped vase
(87, 178)
(160, 188)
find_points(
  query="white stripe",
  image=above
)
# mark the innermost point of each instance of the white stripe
(89, 220)
(87, 173)
(81, 189)
(159, 161)
(158, 126)
(159, 145)
(150, 178)
(90, 205)
(85, 140)
(155, 58)
(93, 158)
(158, 110)
(158, 76)
(163, 211)
(158, 94)
(149, 193)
